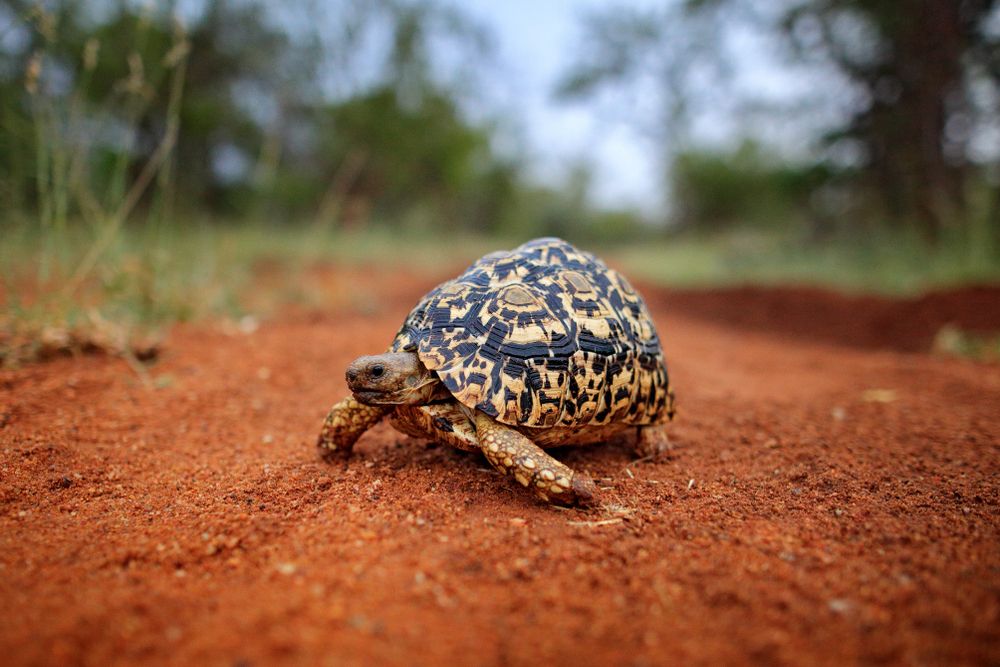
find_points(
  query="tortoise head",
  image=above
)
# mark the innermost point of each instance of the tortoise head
(395, 378)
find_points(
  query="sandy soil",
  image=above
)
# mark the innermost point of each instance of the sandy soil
(831, 498)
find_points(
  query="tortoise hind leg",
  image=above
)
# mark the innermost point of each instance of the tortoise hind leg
(512, 453)
(345, 423)
(651, 442)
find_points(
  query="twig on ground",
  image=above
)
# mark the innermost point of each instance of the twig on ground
(642, 460)
(594, 524)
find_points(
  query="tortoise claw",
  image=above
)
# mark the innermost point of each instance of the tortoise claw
(584, 490)
(329, 451)
(583, 493)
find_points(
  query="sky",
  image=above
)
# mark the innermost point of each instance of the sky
(537, 41)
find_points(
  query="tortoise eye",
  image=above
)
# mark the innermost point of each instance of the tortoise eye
(377, 370)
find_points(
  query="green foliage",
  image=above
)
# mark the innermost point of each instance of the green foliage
(257, 137)
(104, 89)
(409, 153)
(745, 187)
(921, 106)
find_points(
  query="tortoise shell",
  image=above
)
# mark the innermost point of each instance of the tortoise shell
(544, 335)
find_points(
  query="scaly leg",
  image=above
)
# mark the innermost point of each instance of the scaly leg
(345, 423)
(652, 442)
(514, 454)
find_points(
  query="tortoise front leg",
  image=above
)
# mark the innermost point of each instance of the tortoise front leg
(514, 454)
(345, 423)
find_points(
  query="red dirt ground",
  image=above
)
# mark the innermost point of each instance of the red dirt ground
(801, 518)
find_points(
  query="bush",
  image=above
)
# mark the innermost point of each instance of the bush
(721, 190)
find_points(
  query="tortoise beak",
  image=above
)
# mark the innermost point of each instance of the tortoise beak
(371, 397)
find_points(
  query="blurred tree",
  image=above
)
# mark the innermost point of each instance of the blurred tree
(716, 190)
(915, 62)
(404, 153)
(112, 61)
(913, 65)
(653, 63)
(278, 116)
(402, 140)
(342, 110)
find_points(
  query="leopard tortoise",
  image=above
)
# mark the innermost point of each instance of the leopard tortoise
(538, 347)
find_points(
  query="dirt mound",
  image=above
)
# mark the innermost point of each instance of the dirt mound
(826, 502)
(872, 322)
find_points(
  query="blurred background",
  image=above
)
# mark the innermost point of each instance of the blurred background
(157, 157)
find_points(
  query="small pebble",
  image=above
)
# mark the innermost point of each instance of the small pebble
(248, 324)
(839, 605)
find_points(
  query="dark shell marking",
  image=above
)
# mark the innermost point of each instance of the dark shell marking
(545, 335)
